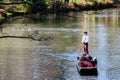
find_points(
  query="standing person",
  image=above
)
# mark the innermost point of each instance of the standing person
(85, 39)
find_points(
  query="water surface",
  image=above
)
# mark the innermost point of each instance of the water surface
(55, 58)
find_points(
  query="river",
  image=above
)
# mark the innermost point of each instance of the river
(55, 58)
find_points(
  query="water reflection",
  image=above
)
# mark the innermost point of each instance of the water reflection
(24, 59)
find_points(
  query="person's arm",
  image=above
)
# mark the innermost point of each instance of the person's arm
(83, 39)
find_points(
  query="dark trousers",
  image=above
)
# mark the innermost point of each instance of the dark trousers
(85, 46)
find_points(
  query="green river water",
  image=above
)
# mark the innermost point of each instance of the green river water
(55, 58)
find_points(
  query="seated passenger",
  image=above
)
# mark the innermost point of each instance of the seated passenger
(85, 57)
(86, 64)
(94, 61)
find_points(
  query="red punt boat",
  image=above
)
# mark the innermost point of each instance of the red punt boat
(87, 66)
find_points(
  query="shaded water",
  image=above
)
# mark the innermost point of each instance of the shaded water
(55, 59)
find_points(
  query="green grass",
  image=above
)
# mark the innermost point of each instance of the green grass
(77, 1)
(9, 14)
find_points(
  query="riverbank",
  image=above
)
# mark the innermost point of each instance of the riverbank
(57, 7)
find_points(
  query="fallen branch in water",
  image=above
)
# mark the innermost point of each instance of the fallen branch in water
(39, 39)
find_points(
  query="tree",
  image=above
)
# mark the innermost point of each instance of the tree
(37, 5)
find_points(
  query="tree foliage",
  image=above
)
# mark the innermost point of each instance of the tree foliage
(37, 5)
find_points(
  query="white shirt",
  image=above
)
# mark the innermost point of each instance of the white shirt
(85, 39)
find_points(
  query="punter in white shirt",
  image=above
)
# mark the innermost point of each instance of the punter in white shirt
(85, 39)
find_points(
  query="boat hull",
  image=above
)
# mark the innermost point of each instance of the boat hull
(87, 70)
